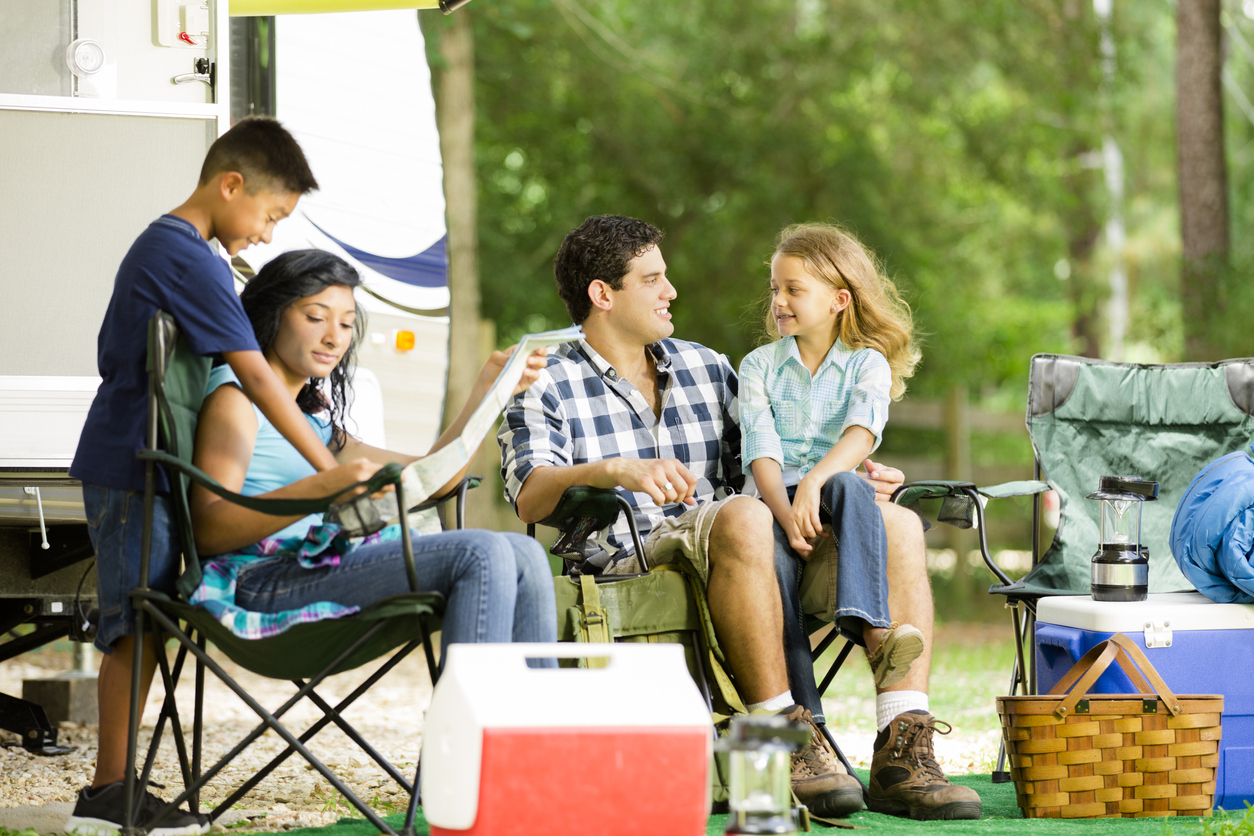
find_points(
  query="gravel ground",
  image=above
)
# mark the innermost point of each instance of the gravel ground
(39, 791)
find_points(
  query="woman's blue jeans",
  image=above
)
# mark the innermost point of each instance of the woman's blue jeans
(848, 505)
(497, 586)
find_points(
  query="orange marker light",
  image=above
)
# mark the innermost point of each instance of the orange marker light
(405, 340)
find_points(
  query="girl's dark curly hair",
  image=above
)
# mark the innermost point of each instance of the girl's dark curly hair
(285, 280)
(599, 248)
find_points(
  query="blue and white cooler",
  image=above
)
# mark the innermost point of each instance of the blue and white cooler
(1199, 647)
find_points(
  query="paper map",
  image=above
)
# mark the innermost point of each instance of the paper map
(430, 473)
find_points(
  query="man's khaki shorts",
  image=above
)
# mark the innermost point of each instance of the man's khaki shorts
(818, 580)
(686, 538)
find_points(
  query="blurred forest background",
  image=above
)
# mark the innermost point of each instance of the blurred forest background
(1014, 165)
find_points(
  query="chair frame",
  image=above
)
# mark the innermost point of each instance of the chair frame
(563, 518)
(163, 612)
(1019, 600)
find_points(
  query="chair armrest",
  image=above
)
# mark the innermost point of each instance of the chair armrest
(962, 503)
(390, 474)
(582, 510)
(459, 494)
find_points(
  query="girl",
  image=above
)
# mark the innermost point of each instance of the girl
(270, 571)
(813, 405)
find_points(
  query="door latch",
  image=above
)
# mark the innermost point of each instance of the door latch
(204, 71)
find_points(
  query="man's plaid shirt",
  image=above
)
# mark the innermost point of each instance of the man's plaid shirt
(581, 411)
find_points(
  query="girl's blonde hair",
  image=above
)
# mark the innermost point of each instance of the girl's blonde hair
(876, 317)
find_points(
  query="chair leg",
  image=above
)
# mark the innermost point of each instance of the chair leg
(415, 798)
(1000, 774)
(198, 725)
(703, 677)
(332, 714)
(271, 721)
(841, 757)
(836, 666)
(1018, 685)
(432, 668)
(129, 788)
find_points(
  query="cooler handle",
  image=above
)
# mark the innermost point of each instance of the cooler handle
(514, 655)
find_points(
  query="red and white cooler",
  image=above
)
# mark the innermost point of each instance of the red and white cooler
(617, 750)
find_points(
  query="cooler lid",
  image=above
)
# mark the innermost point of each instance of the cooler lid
(1184, 611)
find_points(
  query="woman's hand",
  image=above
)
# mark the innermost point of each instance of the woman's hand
(531, 372)
(350, 473)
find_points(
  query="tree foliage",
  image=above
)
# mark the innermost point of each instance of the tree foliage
(960, 141)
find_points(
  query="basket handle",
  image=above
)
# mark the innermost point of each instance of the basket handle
(1094, 663)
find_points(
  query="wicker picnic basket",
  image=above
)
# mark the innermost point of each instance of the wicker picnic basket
(1080, 755)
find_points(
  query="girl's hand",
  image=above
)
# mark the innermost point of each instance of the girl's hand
(800, 544)
(805, 509)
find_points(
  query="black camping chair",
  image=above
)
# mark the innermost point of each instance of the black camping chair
(305, 653)
(627, 611)
(1089, 418)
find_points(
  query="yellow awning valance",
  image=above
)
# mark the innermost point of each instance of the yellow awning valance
(256, 8)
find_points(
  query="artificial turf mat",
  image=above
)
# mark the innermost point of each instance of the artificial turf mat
(1000, 818)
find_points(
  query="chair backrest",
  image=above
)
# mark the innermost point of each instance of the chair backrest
(177, 382)
(1092, 418)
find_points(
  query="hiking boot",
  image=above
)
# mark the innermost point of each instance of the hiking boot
(906, 780)
(891, 660)
(100, 812)
(818, 778)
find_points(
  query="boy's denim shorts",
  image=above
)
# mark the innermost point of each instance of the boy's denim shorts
(115, 522)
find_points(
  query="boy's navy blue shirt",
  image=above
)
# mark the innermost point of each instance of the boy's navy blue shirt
(169, 268)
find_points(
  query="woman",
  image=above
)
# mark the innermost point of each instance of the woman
(270, 572)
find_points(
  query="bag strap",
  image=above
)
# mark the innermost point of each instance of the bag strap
(1085, 673)
(596, 621)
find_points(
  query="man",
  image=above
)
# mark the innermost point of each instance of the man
(630, 408)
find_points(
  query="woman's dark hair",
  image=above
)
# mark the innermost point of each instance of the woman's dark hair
(291, 277)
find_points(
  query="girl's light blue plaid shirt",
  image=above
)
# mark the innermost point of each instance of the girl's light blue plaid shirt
(795, 419)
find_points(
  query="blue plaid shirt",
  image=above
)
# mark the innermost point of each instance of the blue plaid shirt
(796, 419)
(581, 411)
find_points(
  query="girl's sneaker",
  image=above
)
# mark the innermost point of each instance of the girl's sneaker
(891, 660)
(100, 812)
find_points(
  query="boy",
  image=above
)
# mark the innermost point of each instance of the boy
(252, 177)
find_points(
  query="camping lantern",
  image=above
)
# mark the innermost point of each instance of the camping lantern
(1121, 565)
(759, 789)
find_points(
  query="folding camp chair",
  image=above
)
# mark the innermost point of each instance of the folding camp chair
(305, 653)
(1092, 418)
(658, 604)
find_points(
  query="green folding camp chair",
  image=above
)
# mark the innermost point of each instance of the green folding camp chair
(661, 603)
(1092, 418)
(305, 653)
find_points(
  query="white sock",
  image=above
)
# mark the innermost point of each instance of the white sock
(775, 703)
(891, 703)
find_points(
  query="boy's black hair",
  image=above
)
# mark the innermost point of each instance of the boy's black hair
(601, 247)
(267, 156)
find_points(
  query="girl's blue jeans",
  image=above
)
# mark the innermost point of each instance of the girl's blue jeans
(848, 505)
(497, 586)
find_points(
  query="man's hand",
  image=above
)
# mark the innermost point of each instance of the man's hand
(884, 479)
(664, 480)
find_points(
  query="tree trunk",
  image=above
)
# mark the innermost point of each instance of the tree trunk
(455, 117)
(1203, 174)
(471, 339)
